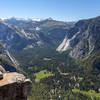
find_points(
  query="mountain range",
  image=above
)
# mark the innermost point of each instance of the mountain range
(81, 38)
(68, 52)
(23, 34)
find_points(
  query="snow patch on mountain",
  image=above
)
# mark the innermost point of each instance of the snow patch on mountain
(23, 19)
(37, 28)
(28, 47)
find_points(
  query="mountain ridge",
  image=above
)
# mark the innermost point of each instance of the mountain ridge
(83, 38)
(33, 33)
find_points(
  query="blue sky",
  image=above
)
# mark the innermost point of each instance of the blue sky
(66, 10)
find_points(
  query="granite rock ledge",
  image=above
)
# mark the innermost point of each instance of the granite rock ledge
(14, 86)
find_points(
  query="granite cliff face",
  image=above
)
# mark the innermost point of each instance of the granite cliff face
(83, 38)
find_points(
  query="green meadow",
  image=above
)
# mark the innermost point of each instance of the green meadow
(90, 93)
(42, 74)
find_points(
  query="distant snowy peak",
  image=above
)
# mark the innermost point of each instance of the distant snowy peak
(26, 19)
(3, 19)
(37, 19)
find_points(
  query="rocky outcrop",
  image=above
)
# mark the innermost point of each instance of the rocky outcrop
(14, 86)
(14, 91)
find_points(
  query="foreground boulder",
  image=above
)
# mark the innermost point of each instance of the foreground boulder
(14, 86)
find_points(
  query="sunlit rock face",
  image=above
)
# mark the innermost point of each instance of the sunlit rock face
(64, 45)
(14, 86)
